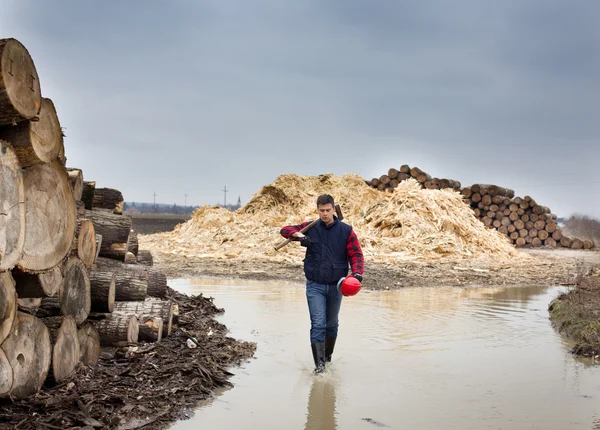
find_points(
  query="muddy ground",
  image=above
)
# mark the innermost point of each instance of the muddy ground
(547, 268)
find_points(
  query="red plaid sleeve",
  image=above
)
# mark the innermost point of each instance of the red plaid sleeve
(355, 254)
(288, 230)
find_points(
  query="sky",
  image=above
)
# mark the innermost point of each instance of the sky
(188, 97)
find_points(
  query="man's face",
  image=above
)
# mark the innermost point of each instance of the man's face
(326, 213)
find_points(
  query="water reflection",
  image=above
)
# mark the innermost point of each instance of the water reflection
(321, 412)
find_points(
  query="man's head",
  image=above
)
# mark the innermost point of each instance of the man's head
(326, 206)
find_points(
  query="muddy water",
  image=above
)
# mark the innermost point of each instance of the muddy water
(411, 359)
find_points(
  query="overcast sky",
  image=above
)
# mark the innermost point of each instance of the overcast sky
(179, 97)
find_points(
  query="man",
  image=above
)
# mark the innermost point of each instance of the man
(330, 246)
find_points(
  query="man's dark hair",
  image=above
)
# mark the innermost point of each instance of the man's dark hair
(325, 199)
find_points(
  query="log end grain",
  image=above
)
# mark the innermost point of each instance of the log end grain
(89, 344)
(8, 304)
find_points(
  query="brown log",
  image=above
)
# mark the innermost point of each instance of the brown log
(487, 221)
(525, 217)
(28, 351)
(513, 207)
(482, 207)
(156, 279)
(466, 192)
(130, 258)
(6, 374)
(86, 242)
(523, 233)
(529, 225)
(394, 183)
(415, 171)
(528, 239)
(577, 244)
(494, 208)
(75, 298)
(393, 173)
(476, 198)
(151, 328)
(8, 304)
(131, 282)
(50, 216)
(534, 218)
(517, 200)
(520, 241)
(511, 228)
(12, 209)
(524, 205)
(154, 307)
(543, 234)
(89, 344)
(499, 216)
(495, 190)
(519, 224)
(44, 284)
(536, 241)
(527, 198)
(506, 222)
(539, 225)
(496, 223)
(114, 230)
(557, 235)
(550, 242)
(145, 258)
(520, 212)
(502, 229)
(381, 186)
(403, 176)
(423, 177)
(506, 212)
(444, 183)
(102, 290)
(20, 95)
(108, 198)
(76, 182)
(66, 353)
(551, 226)
(405, 169)
(565, 242)
(87, 194)
(455, 185)
(513, 217)
(477, 213)
(384, 180)
(587, 244)
(374, 182)
(35, 142)
(117, 329)
(514, 235)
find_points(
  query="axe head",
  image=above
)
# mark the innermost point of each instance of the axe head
(338, 212)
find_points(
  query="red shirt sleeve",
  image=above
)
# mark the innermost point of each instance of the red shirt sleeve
(355, 254)
(288, 230)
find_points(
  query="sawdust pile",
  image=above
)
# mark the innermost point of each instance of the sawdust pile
(411, 223)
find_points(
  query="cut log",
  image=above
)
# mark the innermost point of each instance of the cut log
(154, 307)
(6, 374)
(28, 351)
(30, 305)
(75, 297)
(8, 304)
(130, 258)
(466, 192)
(20, 95)
(12, 208)
(587, 244)
(384, 180)
(405, 168)
(151, 328)
(495, 190)
(87, 194)
(86, 242)
(374, 182)
(403, 176)
(394, 183)
(520, 241)
(66, 353)
(44, 284)
(102, 290)
(76, 182)
(423, 177)
(539, 225)
(50, 216)
(132, 243)
(117, 329)
(145, 258)
(89, 344)
(543, 234)
(551, 226)
(536, 241)
(49, 307)
(393, 173)
(415, 171)
(566, 242)
(550, 242)
(155, 279)
(557, 235)
(36, 142)
(577, 244)
(108, 198)
(114, 230)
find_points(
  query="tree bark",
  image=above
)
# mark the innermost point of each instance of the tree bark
(44, 284)
(76, 182)
(12, 208)
(145, 258)
(587, 244)
(117, 329)
(405, 168)
(577, 244)
(114, 230)
(132, 243)
(134, 282)
(154, 307)
(6, 374)
(74, 297)
(66, 353)
(8, 304)
(87, 194)
(151, 328)
(423, 177)
(393, 173)
(28, 351)
(108, 198)
(86, 242)
(102, 291)
(20, 94)
(89, 344)
(50, 216)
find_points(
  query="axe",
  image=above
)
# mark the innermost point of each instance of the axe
(338, 212)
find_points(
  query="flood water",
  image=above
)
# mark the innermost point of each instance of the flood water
(427, 358)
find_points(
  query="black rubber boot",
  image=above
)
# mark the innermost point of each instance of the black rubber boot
(318, 350)
(329, 345)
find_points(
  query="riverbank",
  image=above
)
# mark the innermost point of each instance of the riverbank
(148, 385)
(576, 314)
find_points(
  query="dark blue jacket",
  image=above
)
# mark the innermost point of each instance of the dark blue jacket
(326, 259)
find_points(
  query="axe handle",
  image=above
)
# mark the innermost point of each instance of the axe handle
(304, 230)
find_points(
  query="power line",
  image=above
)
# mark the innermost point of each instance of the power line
(225, 198)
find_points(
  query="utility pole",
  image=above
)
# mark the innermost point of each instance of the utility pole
(185, 199)
(225, 191)
(154, 198)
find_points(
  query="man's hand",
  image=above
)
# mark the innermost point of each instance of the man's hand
(358, 276)
(305, 241)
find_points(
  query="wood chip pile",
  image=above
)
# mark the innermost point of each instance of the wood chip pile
(521, 219)
(410, 223)
(69, 282)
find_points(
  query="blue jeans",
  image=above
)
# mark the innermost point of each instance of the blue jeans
(324, 302)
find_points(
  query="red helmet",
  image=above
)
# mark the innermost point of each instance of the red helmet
(349, 286)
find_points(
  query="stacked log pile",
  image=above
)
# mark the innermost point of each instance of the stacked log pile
(70, 282)
(521, 219)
